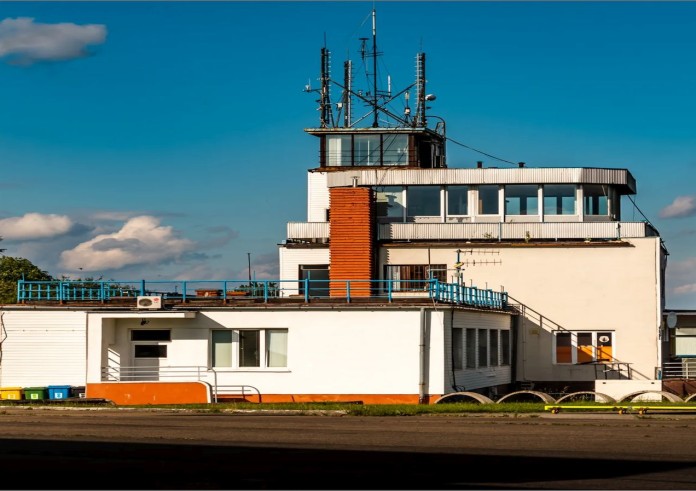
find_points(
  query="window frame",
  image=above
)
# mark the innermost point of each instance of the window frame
(236, 360)
(582, 353)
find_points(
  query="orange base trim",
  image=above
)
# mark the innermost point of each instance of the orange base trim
(339, 398)
(151, 392)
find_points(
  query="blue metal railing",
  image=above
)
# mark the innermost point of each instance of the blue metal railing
(104, 291)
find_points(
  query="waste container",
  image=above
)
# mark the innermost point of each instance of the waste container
(77, 392)
(35, 393)
(58, 391)
(14, 393)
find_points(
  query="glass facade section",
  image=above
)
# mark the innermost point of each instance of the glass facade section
(488, 200)
(423, 201)
(367, 149)
(596, 198)
(457, 200)
(339, 150)
(395, 149)
(522, 199)
(559, 199)
(390, 201)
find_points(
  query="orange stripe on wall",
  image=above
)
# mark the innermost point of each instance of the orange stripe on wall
(151, 392)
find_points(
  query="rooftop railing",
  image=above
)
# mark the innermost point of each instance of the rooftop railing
(258, 291)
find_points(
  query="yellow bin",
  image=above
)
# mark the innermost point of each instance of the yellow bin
(11, 393)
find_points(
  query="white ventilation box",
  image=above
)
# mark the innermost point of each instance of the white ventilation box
(149, 302)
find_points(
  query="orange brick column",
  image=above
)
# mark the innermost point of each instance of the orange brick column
(352, 238)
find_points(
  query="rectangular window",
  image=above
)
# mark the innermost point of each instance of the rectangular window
(596, 198)
(604, 346)
(150, 350)
(410, 277)
(457, 348)
(249, 345)
(423, 201)
(488, 200)
(395, 149)
(151, 335)
(389, 201)
(577, 347)
(339, 150)
(505, 345)
(222, 348)
(559, 199)
(563, 348)
(493, 351)
(276, 348)
(483, 348)
(249, 348)
(585, 349)
(317, 276)
(471, 348)
(367, 149)
(457, 200)
(522, 199)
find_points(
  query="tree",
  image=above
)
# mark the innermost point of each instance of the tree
(13, 269)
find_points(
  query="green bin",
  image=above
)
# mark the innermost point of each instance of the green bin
(35, 393)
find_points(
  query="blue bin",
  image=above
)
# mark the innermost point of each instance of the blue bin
(58, 391)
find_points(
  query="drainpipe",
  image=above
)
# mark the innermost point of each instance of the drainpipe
(422, 365)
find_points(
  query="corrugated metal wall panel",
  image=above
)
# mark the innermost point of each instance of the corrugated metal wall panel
(45, 348)
(308, 230)
(351, 240)
(482, 377)
(547, 230)
(395, 176)
(317, 197)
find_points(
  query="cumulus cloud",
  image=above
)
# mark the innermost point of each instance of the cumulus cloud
(141, 240)
(25, 42)
(34, 226)
(680, 276)
(682, 206)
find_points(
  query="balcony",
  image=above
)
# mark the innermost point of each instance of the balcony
(310, 231)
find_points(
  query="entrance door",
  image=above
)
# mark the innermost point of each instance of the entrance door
(318, 275)
(147, 361)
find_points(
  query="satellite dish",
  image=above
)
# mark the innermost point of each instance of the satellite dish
(671, 320)
(430, 97)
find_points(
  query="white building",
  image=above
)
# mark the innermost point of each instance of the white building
(377, 299)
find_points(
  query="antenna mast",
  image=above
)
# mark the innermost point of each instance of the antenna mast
(374, 67)
(325, 99)
(347, 99)
(420, 91)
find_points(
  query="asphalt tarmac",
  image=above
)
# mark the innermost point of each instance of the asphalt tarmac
(50, 448)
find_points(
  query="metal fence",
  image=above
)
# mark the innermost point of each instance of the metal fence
(261, 290)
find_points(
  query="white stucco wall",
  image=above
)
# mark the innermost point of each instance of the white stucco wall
(580, 288)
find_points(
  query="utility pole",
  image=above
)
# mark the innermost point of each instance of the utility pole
(249, 261)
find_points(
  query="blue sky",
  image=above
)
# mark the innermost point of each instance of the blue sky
(165, 140)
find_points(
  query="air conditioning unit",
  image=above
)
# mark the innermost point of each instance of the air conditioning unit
(149, 302)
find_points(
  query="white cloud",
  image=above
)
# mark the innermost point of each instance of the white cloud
(34, 226)
(682, 206)
(141, 240)
(25, 42)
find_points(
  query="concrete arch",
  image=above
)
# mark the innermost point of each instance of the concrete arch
(458, 396)
(690, 397)
(665, 395)
(541, 395)
(598, 395)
